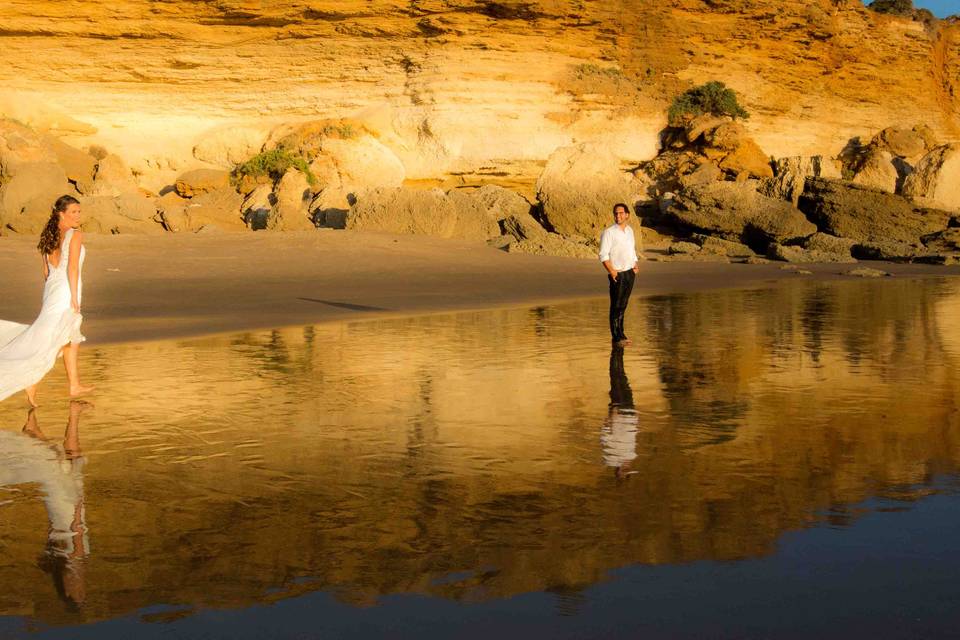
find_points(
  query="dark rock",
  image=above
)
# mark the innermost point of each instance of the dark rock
(865, 215)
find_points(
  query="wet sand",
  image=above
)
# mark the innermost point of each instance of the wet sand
(155, 287)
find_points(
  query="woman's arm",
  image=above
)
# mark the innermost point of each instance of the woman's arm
(73, 269)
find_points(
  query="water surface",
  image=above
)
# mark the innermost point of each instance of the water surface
(766, 462)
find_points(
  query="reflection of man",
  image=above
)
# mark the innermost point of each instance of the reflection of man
(618, 438)
(30, 458)
(618, 253)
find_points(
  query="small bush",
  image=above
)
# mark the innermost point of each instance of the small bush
(895, 7)
(273, 164)
(713, 97)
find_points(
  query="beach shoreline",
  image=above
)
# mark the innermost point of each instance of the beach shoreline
(139, 288)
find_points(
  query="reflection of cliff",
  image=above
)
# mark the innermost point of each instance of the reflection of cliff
(386, 456)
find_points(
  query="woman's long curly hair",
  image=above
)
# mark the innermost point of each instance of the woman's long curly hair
(50, 236)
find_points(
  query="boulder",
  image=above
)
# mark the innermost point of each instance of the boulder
(173, 212)
(78, 165)
(501, 203)
(876, 171)
(903, 143)
(794, 254)
(705, 123)
(943, 241)
(19, 146)
(790, 175)
(738, 212)
(665, 171)
(865, 215)
(721, 247)
(291, 210)
(683, 247)
(747, 159)
(553, 244)
(220, 208)
(27, 198)
(826, 243)
(934, 181)
(112, 178)
(258, 206)
(345, 168)
(579, 186)
(200, 181)
(429, 212)
(704, 174)
(102, 214)
(890, 250)
(473, 221)
(729, 136)
(867, 272)
(138, 206)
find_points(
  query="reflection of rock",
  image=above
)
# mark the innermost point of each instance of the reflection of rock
(866, 215)
(936, 178)
(737, 212)
(579, 186)
(867, 272)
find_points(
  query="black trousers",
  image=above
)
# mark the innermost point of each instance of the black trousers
(620, 290)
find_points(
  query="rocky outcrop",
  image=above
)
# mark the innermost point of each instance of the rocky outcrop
(552, 244)
(199, 181)
(429, 212)
(790, 176)
(936, 179)
(866, 215)
(736, 211)
(877, 171)
(579, 186)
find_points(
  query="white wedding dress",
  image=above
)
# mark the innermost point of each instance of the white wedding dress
(28, 352)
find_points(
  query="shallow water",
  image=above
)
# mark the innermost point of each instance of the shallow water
(768, 462)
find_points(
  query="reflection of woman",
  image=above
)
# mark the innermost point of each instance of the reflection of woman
(618, 438)
(27, 353)
(28, 457)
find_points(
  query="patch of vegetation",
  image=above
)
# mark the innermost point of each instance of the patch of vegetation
(895, 7)
(713, 97)
(583, 71)
(273, 164)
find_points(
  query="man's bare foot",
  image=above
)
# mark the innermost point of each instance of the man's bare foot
(624, 343)
(80, 390)
(79, 406)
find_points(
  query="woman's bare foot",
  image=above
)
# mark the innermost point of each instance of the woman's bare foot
(30, 427)
(80, 390)
(32, 396)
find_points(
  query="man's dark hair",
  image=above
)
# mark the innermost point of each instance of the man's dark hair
(618, 205)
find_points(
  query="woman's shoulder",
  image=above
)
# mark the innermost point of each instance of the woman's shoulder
(76, 236)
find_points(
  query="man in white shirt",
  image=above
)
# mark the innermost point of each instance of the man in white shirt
(618, 253)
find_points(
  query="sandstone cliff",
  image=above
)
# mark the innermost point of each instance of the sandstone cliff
(463, 91)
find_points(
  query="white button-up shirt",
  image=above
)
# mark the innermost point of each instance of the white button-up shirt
(619, 247)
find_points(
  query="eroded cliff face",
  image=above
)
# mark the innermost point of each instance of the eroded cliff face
(462, 90)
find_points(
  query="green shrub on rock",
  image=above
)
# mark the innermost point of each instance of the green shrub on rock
(272, 164)
(713, 97)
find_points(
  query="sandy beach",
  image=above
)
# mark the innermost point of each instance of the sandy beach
(154, 287)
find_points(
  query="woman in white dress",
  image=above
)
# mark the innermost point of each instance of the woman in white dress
(28, 352)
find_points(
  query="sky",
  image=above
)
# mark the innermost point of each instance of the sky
(940, 8)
